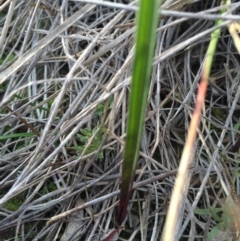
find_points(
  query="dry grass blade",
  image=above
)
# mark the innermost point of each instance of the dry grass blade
(182, 180)
(179, 4)
(234, 29)
(67, 76)
(44, 42)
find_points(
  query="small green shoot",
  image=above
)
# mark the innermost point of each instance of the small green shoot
(7, 58)
(91, 139)
(14, 203)
(225, 222)
(210, 211)
(101, 107)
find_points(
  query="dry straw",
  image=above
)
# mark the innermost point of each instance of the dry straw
(65, 74)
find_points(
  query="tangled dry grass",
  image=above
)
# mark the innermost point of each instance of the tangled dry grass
(65, 75)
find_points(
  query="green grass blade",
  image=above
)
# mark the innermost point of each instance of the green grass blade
(147, 19)
(17, 135)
